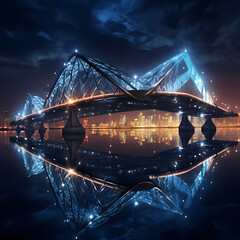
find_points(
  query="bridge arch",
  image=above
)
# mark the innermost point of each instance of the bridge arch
(33, 104)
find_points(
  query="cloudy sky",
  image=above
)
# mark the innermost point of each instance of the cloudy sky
(37, 36)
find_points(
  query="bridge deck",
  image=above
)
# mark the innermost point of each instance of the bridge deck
(114, 103)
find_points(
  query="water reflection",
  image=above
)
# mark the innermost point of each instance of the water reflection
(96, 177)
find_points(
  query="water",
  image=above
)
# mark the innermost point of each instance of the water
(120, 184)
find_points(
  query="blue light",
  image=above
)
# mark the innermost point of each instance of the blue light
(136, 203)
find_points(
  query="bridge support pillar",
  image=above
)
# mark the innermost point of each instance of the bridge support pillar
(73, 126)
(18, 130)
(73, 142)
(29, 130)
(185, 125)
(42, 130)
(185, 137)
(208, 129)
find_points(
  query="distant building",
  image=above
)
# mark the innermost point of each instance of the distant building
(6, 119)
(122, 122)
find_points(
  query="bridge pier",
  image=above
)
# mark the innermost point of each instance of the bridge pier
(208, 129)
(73, 141)
(42, 130)
(185, 137)
(73, 126)
(18, 129)
(29, 130)
(186, 125)
(208, 125)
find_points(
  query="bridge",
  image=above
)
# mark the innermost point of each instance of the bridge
(88, 87)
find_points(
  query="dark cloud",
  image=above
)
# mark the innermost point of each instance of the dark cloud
(38, 36)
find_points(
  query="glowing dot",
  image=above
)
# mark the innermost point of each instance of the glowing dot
(136, 203)
(71, 171)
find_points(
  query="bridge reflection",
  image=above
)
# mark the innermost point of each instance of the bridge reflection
(94, 184)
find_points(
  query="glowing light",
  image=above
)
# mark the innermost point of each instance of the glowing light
(71, 171)
(202, 115)
(136, 203)
(135, 76)
(76, 50)
(70, 101)
(185, 50)
(91, 216)
(180, 112)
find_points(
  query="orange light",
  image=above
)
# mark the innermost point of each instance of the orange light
(71, 171)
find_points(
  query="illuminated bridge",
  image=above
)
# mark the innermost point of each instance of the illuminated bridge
(88, 87)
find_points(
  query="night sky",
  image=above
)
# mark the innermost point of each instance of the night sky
(38, 36)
